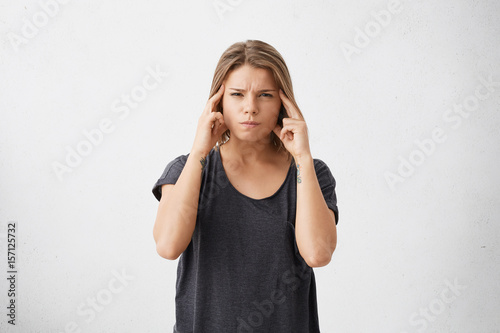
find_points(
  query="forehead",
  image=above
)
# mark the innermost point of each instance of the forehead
(247, 75)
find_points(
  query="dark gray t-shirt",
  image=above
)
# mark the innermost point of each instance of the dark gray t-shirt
(242, 270)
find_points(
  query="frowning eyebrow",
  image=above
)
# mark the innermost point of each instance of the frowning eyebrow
(263, 90)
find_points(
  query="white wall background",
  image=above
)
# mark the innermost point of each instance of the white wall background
(399, 248)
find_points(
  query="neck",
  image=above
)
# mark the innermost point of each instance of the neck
(250, 152)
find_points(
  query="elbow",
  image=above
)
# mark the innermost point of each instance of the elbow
(318, 261)
(164, 247)
(168, 246)
(321, 258)
(167, 252)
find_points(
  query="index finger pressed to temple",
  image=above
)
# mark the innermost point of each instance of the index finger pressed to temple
(288, 105)
(220, 92)
(215, 99)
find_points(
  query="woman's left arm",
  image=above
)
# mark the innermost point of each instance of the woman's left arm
(315, 225)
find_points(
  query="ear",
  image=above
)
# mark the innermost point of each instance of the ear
(277, 130)
(281, 115)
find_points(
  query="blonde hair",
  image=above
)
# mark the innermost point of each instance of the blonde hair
(257, 54)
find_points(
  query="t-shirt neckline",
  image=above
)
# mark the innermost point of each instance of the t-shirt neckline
(219, 158)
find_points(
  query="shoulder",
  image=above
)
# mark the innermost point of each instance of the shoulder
(323, 170)
(180, 161)
(319, 164)
(175, 163)
(174, 169)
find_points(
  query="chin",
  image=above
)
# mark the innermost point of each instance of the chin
(251, 137)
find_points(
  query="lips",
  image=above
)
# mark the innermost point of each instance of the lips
(250, 123)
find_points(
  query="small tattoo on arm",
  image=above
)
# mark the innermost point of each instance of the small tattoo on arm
(298, 174)
(203, 162)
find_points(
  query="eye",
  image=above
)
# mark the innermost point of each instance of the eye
(235, 94)
(266, 95)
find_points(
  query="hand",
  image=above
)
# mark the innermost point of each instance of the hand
(294, 131)
(210, 125)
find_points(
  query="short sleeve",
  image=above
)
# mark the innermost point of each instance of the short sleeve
(170, 174)
(327, 184)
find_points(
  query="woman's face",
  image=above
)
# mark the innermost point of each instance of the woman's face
(250, 94)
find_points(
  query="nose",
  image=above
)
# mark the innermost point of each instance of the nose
(251, 105)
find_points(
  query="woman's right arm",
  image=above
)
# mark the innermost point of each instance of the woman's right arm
(178, 207)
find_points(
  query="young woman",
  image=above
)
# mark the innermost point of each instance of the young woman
(251, 211)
